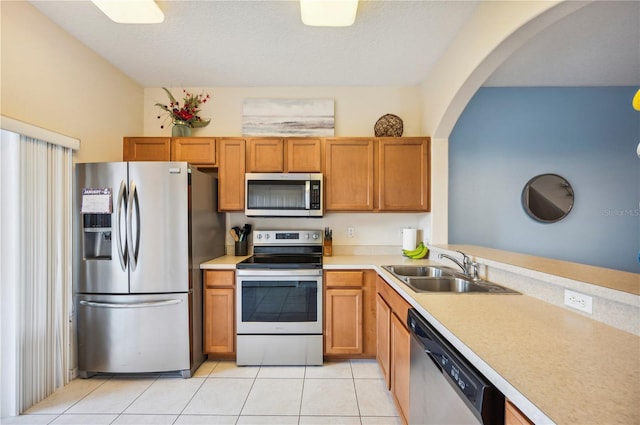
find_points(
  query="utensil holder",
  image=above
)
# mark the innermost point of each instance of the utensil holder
(241, 248)
(327, 247)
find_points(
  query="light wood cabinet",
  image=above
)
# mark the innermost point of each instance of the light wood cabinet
(196, 150)
(394, 344)
(219, 312)
(349, 322)
(400, 370)
(146, 149)
(265, 156)
(231, 174)
(403, 167)
(360, 174)
(383, 327)
(349, 184)
(304, 155)
(513, 416)
(271, 155)
(386, 174)
(344, 321)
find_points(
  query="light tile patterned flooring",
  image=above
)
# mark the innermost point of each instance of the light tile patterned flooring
(347, 393)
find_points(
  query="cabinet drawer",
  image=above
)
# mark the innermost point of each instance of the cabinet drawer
(219, 279)
(353, 278)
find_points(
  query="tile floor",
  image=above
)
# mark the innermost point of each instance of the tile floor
(347, 392)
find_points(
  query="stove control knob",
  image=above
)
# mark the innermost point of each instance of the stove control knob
(259, 236)
(266, 236)
(306, 236)
(315, 236)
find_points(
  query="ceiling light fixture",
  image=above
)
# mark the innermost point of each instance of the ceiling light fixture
(131, 11)
(328, 13)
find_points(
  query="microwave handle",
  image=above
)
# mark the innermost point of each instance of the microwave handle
(307, 195)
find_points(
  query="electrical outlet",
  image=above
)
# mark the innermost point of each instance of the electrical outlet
(578, 301)
(351, 232)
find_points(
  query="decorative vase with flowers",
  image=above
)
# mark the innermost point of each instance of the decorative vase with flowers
(184, 116)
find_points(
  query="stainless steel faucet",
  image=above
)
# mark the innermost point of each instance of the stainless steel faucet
(469, 268)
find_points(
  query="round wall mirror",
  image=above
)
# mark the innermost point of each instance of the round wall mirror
(547, 198)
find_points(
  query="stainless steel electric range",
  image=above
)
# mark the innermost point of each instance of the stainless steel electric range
(279, 299)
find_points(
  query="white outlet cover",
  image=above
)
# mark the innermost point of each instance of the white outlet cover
(578, 301)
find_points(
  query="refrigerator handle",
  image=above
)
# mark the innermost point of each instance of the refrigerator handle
(133, 248)
(121, 252)
(130, 305)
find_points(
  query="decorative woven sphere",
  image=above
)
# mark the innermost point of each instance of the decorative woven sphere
(388, 125)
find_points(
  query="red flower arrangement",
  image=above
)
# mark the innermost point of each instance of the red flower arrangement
(187, 113)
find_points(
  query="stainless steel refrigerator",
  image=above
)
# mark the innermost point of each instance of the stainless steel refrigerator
(141, 230)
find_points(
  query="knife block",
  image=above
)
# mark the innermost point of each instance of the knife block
(327, 247)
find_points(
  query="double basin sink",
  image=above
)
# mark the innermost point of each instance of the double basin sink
(443, 279)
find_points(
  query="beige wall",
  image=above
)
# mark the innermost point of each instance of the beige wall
(51, 80)
(356, 108)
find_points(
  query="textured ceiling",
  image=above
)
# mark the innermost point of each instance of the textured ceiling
(393, 43)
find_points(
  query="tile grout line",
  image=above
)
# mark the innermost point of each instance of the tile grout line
(248, 394)
(204, 379)
(134, 400)
(355, 391)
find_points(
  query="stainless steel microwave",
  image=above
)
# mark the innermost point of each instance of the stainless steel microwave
(283, 195)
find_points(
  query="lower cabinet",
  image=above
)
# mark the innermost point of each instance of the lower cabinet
(400, 370)
(513, 416)
(219, 313)
(349, 313)
(393, 344)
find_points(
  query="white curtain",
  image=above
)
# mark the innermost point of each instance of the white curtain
(35, 268)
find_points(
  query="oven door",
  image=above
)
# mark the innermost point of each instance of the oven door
(279, 302)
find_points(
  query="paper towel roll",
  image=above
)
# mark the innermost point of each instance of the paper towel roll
(409, 238)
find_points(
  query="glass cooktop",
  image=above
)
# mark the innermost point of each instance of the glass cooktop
(282, 261)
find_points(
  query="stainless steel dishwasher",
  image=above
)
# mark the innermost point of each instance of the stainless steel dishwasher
(444, 387)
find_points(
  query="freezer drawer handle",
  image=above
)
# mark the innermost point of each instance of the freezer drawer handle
(131, 305)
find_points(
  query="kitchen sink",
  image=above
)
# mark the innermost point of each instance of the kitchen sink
(424, 271)
(443, 284)
(443, 279)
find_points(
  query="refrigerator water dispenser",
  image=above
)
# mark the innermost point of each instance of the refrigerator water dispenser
(96, 237)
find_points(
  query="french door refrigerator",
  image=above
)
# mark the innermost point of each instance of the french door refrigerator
(141, 230)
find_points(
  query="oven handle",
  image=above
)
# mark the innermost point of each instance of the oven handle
(277, 284)
(277, 273)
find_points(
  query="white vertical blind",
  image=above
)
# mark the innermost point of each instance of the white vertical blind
(36, 191)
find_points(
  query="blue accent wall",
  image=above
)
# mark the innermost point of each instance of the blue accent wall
(588, 135)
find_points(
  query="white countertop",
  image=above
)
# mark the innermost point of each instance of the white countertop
(554, 364)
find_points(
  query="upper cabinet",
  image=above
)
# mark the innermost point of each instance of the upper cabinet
(265, 156)
(196, 150)
(387, 174)
(271, 155)
(360, 174)
(304, 156)
(146, 149)
(348, 174)
(231, 174)
(403, 168)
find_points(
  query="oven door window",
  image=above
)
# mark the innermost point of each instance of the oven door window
(274, 301)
